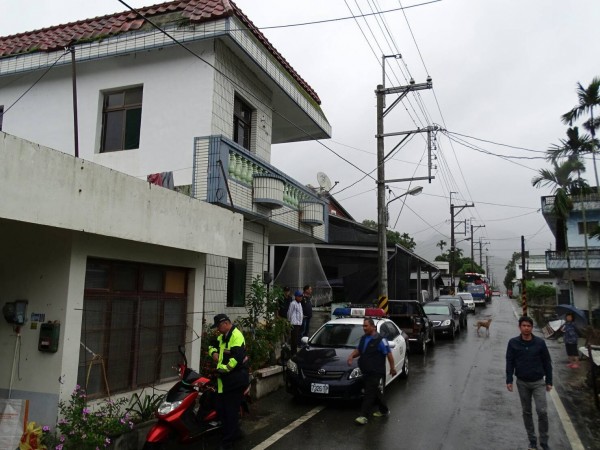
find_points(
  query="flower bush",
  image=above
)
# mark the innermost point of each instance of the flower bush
(80, 426)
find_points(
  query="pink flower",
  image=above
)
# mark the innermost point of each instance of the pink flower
(86, 411)
(59, 447)
(45, 428)
(62, 438)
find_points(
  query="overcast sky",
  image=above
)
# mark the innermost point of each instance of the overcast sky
(503, 71)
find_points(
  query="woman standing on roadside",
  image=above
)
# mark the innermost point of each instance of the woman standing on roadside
(570, 339)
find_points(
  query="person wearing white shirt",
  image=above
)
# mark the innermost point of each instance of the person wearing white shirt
(295, 315)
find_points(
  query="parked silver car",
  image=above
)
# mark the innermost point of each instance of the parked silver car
(468, 299)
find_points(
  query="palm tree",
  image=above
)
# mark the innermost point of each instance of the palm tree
(589, 98)
(562, 183)
(572, 148)
(441, 245)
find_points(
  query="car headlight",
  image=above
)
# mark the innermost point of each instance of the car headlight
(292, 366)
(445, 323)
(167, 407)
(356, 373)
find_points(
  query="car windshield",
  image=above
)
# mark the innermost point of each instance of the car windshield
(338, 335)
(437, 309)
(454, 301)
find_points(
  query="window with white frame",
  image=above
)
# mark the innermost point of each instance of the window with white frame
(134, 317)
(121, 119)
(242, 122)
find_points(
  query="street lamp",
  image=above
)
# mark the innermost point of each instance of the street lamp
(414, 191)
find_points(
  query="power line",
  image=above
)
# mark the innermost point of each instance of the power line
(32, 86)
(338, 19)
(233, 82)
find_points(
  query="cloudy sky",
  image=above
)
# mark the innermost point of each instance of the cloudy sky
(503, 73)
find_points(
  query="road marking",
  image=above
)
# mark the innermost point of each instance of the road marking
(292, 426)
(572, 435)
(570, 431)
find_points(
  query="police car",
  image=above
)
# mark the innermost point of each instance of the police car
(320, 368)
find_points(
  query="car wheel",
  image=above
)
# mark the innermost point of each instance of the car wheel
(453, 334)
(432, 338)
(404, 373)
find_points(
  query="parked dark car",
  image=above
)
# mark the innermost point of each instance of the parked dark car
(321, 369)
(460, 306)
(444, 318)
(412, 319)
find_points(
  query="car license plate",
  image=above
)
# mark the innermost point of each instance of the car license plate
(318, 388)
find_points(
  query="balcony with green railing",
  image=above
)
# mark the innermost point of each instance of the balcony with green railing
(229, 175)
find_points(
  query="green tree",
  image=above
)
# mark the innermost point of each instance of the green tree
(588, 99)
(393, 237)
(573, 148)
(541, 294)
(441, 244)
(510, 271)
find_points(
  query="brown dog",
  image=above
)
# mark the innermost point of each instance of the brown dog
(483, 324)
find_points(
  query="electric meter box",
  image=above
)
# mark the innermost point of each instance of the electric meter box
(49, 333)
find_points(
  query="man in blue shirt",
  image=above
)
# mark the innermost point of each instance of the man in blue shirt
(528, 358)
(373, 350)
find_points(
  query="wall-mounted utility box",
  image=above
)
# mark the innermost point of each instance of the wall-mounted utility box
(49, 334)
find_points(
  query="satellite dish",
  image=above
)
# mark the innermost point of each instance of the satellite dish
(324, 181)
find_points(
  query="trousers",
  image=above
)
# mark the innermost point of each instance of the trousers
(373, 396)
(535, 390)
(228, 409)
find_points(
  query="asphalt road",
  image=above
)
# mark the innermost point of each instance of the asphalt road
(455, 398)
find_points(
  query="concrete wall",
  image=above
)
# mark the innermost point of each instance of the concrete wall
(177, 106)
(46, 266)
(43, 186)
(576, 239)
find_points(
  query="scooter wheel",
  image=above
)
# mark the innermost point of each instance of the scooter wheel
(154, 446)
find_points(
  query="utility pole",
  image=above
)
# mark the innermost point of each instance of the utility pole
(523, 277)
(452, 239)
(381, 92)
(74, 83)
(473, 228)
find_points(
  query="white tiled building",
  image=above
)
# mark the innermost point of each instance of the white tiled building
(207, 113)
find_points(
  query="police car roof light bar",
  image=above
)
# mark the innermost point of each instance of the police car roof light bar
(359, 312)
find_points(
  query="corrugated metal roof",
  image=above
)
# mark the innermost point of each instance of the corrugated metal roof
(196, 11)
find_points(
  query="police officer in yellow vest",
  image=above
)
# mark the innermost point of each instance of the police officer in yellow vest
(232, 369)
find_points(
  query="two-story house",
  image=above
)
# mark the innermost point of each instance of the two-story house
(187, 88)
(537, 272)
(576, 265)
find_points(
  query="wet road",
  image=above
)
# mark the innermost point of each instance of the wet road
(455, 398)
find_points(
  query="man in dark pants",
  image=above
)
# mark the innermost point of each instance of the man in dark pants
(372, 350)
(306, 309)
(528, 358)
(233, 379)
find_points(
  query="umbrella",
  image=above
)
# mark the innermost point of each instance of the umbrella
(578, 315)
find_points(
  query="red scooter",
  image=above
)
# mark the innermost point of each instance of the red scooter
(188, 411)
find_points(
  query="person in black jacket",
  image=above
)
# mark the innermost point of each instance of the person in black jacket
(306, 309)
(528, 358)
(372, 349)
